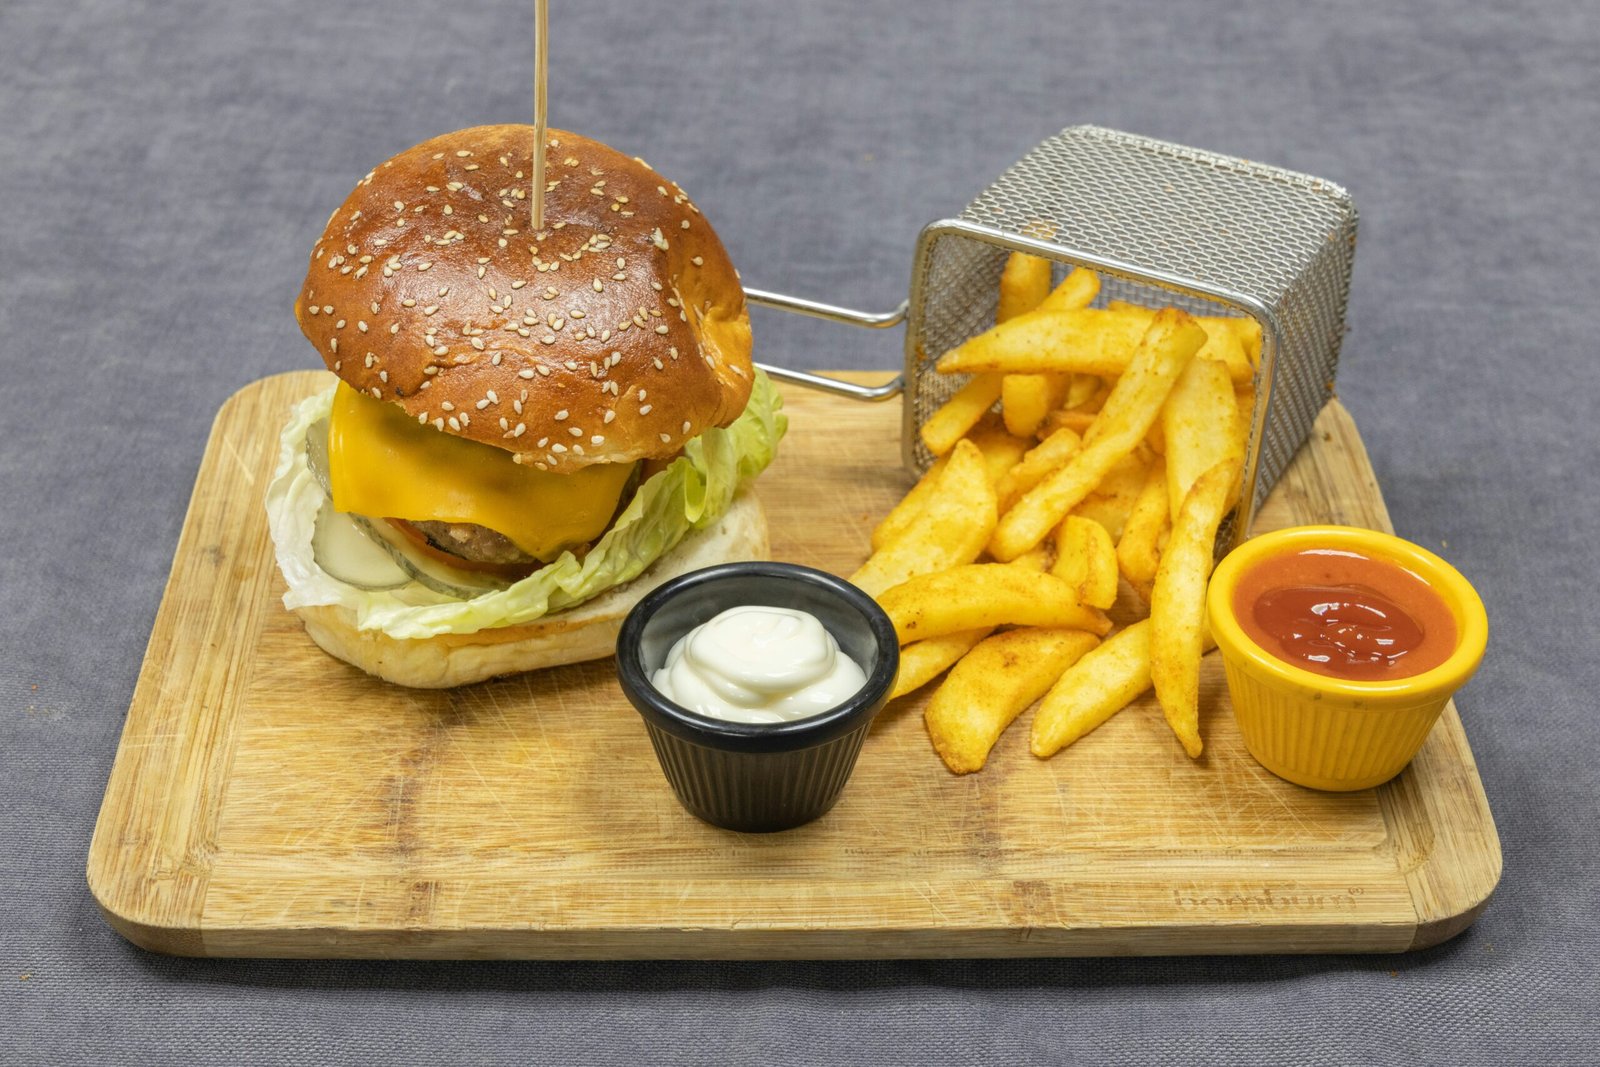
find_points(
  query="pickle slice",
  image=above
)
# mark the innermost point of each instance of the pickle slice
(348, 553)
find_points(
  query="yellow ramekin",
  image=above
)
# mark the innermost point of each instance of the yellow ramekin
(1328, 733)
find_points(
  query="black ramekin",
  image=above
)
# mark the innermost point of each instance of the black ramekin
(757, 777)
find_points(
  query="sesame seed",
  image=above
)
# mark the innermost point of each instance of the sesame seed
(524, 373)
(697, 261)
(644, 409)
(661, 329)
(394, 327)
(339, 325)
(609, 416)
(377, 394)
(314, 309)
(520, 430)
(685, 425)
(685, 221)
(430, 309)
(455, 423)
(543, 370)
(561, 415)
(480, 405)
(574, 431)
(440, 350)
(333, 345)
(665, 437)
(477, 342)
(598, 287)
(558, 447)
(494, 397)
(362, 326)
(518, 284)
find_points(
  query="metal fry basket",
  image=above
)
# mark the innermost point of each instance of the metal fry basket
(1163, 225)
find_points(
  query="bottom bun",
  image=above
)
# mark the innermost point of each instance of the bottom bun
(585, 632)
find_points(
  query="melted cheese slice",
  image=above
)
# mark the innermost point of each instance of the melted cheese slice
(383, 463)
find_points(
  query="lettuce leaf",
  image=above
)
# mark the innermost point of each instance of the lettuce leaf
(693, 492)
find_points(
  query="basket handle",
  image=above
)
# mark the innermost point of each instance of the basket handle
(833, 313)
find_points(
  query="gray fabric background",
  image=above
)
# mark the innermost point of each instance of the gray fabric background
(164, 168)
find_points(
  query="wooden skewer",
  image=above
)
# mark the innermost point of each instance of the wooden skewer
(541, 63)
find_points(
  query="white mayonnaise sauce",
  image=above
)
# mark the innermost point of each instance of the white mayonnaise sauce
(759, 664)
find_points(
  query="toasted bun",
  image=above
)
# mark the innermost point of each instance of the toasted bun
(617, 332)
(588, 631)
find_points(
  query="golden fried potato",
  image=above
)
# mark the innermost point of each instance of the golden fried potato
(923, 661)
(1139, 548)
(1178, 603)
(1039, 463)
(1025, 400)
(960, 413)
(1232, 341)
(1079, 341)
(1113, 499)
(1096, 687)
(986, 594)
(1133, 405)
(1001, 451)
(991, 685)
(904, 514)
(1077, 290)
(1086, 558)
(1200, 419)
(951, 528)
(1024, 283)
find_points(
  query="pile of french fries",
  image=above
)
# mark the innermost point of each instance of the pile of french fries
(1058, 551)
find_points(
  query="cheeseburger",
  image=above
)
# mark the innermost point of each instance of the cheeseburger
(529, 430)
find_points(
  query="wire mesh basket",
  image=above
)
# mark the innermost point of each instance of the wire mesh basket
(1163, 225)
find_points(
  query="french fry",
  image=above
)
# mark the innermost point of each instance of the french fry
(1083, 341)
(1096, 687)
(1024, 283)
(1001, 451)
(1067, 419)
(991, 686)
(952, 527)
(1025, 399)
(985, 594)
(1139, 547)
(1085, 388)
(1039, 463)
(1077, 290)
(904, 514)
(1231, 340)
(960, 413)
(1133, 405)
(923, 661)
(1178, 603)
(1113, 498)
(1086, 558)
(1200, 419)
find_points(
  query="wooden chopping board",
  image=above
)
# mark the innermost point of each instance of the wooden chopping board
(267, 800)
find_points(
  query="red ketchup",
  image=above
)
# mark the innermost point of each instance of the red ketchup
(1345, 615)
